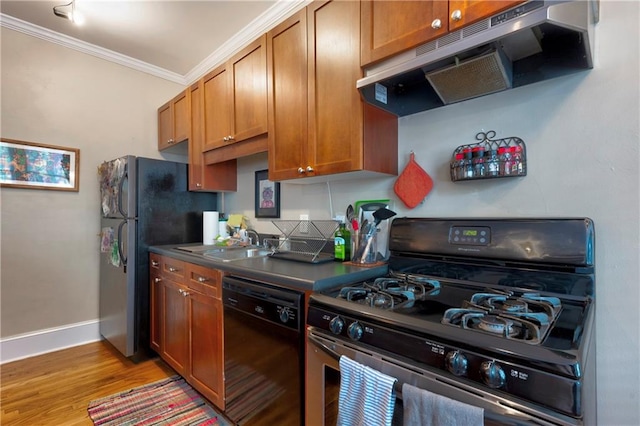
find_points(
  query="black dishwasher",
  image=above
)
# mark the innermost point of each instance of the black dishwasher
(263, 353)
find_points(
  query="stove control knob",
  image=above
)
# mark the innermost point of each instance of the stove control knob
(355, 331)
(336, 325)
(492, 374)
(456, 363)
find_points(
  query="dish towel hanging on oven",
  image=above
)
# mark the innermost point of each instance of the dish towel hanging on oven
(366, 395)
(424, 408)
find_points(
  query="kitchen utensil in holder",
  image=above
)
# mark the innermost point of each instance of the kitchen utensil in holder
(489, 158)
(305, 240)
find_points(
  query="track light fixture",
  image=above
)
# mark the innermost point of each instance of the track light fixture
(68, 11)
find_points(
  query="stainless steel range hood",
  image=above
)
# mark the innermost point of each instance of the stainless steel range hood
(535, 41)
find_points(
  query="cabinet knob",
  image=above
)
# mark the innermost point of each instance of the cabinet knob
(300, 170)
(185, 293)
(157, 280)
(436, 24)
(230, 138)
(170, 141)
(456, 15)
(198, 185)
(309, 169)
(172, 269)
(202, 279)
(225, 139)
(155, 263)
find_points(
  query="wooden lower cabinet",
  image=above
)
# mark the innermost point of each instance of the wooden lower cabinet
(186, 323)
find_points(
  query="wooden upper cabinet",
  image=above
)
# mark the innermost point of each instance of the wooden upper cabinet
(317, 119)
(235, 98)
(287, 88)
(465, 12)
(202, 177)
(390, 27)
(249, 91)
(174, 121)
(216, 108)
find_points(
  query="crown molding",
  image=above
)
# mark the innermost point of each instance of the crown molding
(257, 27)
(263, 23)
(90, 49)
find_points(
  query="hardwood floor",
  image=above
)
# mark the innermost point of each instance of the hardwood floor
(55, 389)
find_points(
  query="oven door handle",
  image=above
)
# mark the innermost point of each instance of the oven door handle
(324, 347)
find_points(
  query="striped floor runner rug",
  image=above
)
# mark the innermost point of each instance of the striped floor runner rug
(167, 402)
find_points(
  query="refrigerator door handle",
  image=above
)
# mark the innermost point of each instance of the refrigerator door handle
(125, 176)
(123, 258)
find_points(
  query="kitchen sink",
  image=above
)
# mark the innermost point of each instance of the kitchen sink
(230, 254)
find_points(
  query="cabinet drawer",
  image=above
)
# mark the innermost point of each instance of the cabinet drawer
(204, 280)
(175, 269)
(155, 262)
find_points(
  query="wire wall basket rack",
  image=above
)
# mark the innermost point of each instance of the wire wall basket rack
(489, 158)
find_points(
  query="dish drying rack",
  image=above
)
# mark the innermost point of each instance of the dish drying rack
(304, 240)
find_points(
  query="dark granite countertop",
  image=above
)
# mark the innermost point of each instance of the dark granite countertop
(286, 273)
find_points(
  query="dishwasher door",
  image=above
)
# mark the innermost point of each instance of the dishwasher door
(263, 353)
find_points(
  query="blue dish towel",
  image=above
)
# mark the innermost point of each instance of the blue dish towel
(424, 408)
(366, 395)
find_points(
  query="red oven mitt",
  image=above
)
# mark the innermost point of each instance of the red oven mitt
(413, 184)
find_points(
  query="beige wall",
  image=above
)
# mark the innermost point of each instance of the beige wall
(55, 95)
(582, 133)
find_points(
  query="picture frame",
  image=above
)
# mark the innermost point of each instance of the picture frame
(267, 201)
(33, 165)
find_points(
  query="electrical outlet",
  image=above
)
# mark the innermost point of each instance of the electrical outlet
(304, 226)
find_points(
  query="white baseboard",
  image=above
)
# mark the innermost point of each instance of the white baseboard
(49, 340)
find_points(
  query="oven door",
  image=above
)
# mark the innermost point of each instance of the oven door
(323, 386)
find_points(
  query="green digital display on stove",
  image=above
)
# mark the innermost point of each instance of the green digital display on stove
(470, 232)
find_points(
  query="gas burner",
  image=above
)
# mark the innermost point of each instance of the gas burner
(527, 317)
(524, 329)
(545, 309)
(395, 291)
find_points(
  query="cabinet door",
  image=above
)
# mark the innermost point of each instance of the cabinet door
(181, 119)
(175, 326)
(248, 100)
(390, 27)
(165, 126)
(206, 364)
(287, 91)
(203, 177)
(335, 107)
(216, 111)
(465, 12)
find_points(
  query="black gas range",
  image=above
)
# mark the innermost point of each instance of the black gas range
(501, 307)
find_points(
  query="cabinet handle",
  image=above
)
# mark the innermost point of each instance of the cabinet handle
(155, 263)
(202, 279)
(436, 24)
(157, 280)
(198, 185)
(309, 169)
(225, 139)
(172, 269)
(185, 293)
(300, 170)
(170, 141)
(230, 138)
(456, 15)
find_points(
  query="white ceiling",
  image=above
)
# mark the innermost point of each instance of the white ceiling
(178, 40)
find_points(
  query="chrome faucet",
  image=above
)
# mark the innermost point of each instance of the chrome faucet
(257, 240)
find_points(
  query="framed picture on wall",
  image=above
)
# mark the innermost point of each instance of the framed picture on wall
(267, 196)
(38, 166)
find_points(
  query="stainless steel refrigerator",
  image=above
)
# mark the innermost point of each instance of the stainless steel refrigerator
(144, 202)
